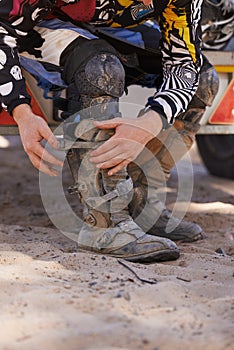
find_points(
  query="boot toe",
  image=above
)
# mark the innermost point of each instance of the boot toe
(184, 231)
(148, 249)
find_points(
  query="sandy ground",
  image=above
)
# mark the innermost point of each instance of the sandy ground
(53, 296)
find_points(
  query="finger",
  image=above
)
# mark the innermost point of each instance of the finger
(46, 169)
(52, 140)
(48, 135)
(105, 147)
(114, 161)
(108, 124)
(110, 163)
(103, 157)
(40, 165)
(44, 155)
(119, 167)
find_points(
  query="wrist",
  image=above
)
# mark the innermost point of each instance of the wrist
(22, 113)
(152, 121)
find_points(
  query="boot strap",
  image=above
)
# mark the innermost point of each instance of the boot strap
(122, 188)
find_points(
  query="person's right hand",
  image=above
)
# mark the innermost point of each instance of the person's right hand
(130, 137)
(33, 129)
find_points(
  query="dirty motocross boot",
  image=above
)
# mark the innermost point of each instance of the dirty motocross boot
(146, 207)
(94, 90)
(167, 149)
(108, 228)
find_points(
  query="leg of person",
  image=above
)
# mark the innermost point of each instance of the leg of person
(171, 145)
(94, 87)
(95, 80)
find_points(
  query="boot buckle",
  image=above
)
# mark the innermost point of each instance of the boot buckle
(122, 188)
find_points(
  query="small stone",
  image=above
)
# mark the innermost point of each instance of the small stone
(91, 284)
(67, 286)
(126, 296)
(221, 251)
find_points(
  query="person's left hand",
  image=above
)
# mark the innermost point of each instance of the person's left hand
(131, 135)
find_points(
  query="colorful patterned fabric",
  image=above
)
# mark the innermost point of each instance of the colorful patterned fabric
(179, 22)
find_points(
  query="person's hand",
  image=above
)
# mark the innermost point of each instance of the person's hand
(131, 135)
(33, 129)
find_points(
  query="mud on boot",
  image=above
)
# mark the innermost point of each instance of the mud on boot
(95, 89)
(126, 240)
(168, 148)
(108, 228)
(150, 175)
(152, 216)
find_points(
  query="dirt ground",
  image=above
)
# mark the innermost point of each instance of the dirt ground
(55, 297)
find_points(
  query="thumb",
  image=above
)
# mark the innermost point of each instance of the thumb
(108, 124)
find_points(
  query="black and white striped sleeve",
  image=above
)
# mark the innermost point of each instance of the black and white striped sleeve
(180, 27)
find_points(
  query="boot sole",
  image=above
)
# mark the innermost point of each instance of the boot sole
(164, 255)
(153, 257)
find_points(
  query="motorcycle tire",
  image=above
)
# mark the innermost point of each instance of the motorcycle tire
(217, 153)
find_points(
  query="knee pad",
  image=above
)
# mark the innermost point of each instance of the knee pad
(204, 96)
(208, 84)
(94, 74)
(99, 84)
(103, 74)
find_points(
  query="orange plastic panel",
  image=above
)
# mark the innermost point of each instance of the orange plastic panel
(224, 112)
(6, 119)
